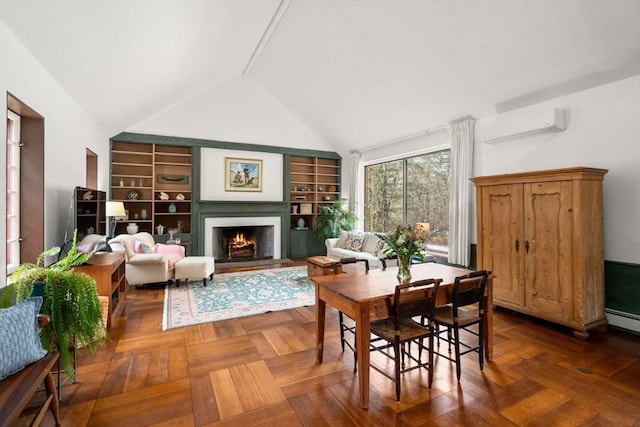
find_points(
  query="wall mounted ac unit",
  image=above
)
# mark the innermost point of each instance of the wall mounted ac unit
(530, 123)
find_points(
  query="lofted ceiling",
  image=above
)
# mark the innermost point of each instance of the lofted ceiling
(356, 72)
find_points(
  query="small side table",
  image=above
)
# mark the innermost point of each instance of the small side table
(322, 266)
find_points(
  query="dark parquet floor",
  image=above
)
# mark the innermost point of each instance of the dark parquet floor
(261, 371)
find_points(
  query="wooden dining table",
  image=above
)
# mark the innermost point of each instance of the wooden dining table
(366, 296)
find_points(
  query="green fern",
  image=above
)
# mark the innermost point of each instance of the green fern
(70, 298)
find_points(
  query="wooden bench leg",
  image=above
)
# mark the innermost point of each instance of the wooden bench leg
(52, 391)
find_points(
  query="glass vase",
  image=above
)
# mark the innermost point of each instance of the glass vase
(404, 270)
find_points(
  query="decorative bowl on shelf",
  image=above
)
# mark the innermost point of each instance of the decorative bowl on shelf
(133, 195)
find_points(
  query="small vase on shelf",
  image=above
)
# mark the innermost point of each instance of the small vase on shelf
(132, 228)
(301, 223)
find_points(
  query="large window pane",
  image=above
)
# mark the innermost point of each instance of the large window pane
(383, 196)
(410, 190)
(428, 184)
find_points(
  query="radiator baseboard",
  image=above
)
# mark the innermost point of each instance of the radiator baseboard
(620, 319)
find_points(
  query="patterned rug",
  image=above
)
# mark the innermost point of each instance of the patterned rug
(233, 295)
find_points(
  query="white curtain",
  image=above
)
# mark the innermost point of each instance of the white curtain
(353, 185)
(460, 214)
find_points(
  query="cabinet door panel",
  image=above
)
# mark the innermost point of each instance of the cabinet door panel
(548, 252)
(502, 230)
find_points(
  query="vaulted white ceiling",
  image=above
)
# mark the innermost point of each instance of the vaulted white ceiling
(356, 72)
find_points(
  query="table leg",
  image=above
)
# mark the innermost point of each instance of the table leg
(320, 312)
(488, 326)
(363, 336)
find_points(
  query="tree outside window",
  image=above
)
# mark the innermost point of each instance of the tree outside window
(410, 190)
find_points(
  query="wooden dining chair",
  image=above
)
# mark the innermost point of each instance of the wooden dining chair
(467, 308)
(389, 261)
(349, 326)
(411, 300)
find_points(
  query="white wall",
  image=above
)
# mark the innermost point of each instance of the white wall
(68, 132)
(603, 131)
(239, 111)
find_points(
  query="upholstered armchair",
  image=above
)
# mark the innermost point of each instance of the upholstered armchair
(146, 260)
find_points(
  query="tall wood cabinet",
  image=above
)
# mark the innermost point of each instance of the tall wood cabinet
(154, 181)
(313, 181)
(541, 235)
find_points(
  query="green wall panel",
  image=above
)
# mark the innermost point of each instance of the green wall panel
(622, 286)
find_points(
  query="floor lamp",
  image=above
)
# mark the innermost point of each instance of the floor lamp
(114, 210)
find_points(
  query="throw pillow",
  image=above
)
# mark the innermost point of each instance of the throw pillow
(173, 253)
(20, 336)
(341, 240)
(354, 241)
(141, 248)
(85, 249)
(371, 243)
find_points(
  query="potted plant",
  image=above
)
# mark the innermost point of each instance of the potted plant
(70, 298)
(334, 218)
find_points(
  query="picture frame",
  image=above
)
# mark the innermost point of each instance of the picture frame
(242, 174)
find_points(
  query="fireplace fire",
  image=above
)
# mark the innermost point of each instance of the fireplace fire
(241, 247)
(242, 243)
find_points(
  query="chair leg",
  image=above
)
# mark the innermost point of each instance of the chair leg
(456, 344)
(396, 349)
(430, 359)
(204, 281)
(481, 345)
(341, 320)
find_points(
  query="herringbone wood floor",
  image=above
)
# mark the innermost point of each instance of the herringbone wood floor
(261, 371)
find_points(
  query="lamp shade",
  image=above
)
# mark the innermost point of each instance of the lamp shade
(423, 227)
(115, 209)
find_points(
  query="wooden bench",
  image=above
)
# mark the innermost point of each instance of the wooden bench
(17, 390)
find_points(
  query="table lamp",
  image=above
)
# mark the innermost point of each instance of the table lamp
(114, 210)
(423, 227)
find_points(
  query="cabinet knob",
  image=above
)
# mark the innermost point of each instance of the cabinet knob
(517, 245)
(526, 246)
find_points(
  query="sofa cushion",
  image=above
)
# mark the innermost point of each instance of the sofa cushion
(20, 336)
(139, 259)
(353, 241)
(372, 244)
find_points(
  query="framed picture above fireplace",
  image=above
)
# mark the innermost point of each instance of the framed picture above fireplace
(242, 174)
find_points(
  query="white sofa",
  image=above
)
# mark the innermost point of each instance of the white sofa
(146, 260)
(356, 244)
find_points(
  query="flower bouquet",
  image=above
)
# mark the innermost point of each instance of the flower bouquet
(405, 243)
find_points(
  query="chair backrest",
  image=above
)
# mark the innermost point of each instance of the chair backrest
(385, 261)
(469, 289)
(415, 299)
(354, 260)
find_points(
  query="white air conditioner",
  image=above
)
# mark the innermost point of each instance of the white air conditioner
(525, 124)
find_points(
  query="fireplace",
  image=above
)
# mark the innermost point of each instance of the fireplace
(237, 239)
(242, 243)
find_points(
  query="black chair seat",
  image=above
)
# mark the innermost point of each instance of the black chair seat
(409, 330)
(444, 316)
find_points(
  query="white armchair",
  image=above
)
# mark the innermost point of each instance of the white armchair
(146, 260)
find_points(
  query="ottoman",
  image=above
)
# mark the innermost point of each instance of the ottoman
(194, 267)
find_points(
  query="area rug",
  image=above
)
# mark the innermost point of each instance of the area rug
(233, 295)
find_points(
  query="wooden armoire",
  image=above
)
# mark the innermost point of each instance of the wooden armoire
(541, 235)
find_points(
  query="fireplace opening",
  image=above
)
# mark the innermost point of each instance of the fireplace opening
(242, 243)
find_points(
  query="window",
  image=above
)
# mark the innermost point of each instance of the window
(410, 190)
(13, 191)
